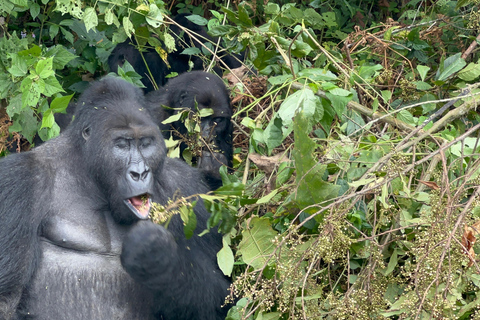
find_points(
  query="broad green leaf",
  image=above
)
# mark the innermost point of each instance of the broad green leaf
(311, 188)
(60, 104)
(52, 86)
(422, 71)
(257, 242)
(338, 102)
(205, 112)
(225, 257)
(154, 16)
(423, 86)
(191, 51)
(317, 74)
(19, 66)
(195, 18)
(53, 30)
(470, 72)
(61, 56)
(48, 119)
(272, 135)
(34, 9)
(44, 68)
(451, 65)
(407, 117)
(111, 18)
(301, 101)
(90, 18)
(272, 8)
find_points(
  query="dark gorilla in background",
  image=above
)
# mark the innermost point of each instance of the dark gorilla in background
(75, 242)
(178, 62)
(198, 89)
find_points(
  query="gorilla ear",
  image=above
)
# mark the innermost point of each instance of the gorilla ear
(86, 133)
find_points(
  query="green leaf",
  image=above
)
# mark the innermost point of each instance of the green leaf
(451, 65)
(195, 18)
(272, 8)
(225, 257)
(273, 136)
(392, 263)
(189, 220)
(191, 51)
(470, 72)
(44, 68)
(311, 188)
(268, 197)
(48, 119)
(60, 104)
(128, 26)
(53, 30)
(205, 112)
(338, 102)
(111, 18)
(52, 86)
(90, 18)
(406, 116)
(317, 74)
(300, 101)
(422, 71)
(423, 86)
(257, 242)
(154, 16)
(19, 66)
(30, 93)
(34, 9)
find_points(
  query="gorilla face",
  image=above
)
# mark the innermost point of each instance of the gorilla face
(125, 157)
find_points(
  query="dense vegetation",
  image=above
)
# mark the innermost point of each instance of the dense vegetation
(356, 186)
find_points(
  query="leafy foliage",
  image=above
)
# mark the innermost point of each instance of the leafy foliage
(356, 185)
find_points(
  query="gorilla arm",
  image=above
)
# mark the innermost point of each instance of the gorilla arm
(20, 216)
(183, 273)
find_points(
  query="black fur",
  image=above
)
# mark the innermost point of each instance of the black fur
(202, 90)
(177, 61)
(70, 247)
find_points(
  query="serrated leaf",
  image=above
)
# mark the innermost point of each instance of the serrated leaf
(90, 18)
(44, 68)
(406, 116)
(52, 86)
(257, 242)
(19, 66)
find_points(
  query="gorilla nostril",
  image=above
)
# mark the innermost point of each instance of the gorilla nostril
(144, 174)
(135, 176)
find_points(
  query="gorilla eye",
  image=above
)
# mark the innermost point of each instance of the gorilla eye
(145, 142)
(122, 143)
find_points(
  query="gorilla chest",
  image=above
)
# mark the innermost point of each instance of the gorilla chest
(80, 275)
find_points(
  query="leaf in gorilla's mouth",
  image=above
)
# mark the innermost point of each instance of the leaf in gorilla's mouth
(140, 205)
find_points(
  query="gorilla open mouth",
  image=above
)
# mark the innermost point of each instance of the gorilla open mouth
(140, 205)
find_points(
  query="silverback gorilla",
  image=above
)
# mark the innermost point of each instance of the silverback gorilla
(75, 242)
(191, 90)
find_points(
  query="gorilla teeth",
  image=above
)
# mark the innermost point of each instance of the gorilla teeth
(140, 205)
